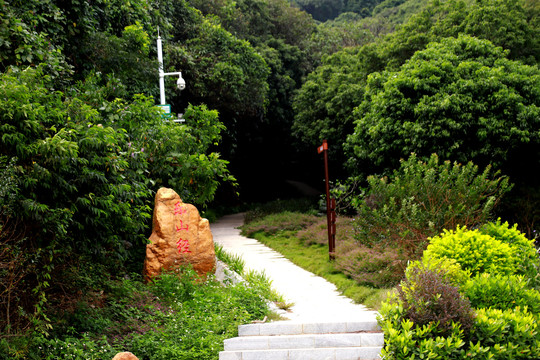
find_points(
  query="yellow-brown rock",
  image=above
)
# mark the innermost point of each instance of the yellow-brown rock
(125, 356)
(179, 237)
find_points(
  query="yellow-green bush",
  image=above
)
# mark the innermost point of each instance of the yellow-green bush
(453, 273)
(529, 262)
(474, 251)
(490, 269)
(501, 292)
(506, 334)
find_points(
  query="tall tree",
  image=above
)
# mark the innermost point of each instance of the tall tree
(460, 98)
(436, 22)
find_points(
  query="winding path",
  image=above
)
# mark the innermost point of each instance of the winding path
(314, 298)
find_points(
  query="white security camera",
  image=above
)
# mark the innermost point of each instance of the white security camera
(181, 83)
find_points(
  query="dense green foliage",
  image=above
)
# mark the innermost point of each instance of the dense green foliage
(474, 251)
(502, 292)
(420, 199)
(80, 181)
(83, 148)
(416, 89)
(322, 107)
(437, 20)
(488, 250)
(323, 10)
(460, 98)
(178, 317)
(396, 215)
(502, 324)
(525, 250)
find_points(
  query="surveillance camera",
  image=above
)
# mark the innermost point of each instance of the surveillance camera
(180, 83)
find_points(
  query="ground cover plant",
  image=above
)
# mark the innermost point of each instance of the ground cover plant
(178, 316)
(458, 304)
(256, 279)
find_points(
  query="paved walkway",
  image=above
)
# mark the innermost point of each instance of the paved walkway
(314, 298)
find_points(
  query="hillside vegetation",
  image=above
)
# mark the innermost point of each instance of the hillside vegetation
(413, 96)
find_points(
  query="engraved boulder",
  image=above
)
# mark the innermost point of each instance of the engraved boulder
(179, 237)
(125, 356)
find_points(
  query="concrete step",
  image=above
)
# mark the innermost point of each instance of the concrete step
(298, 328)
(305, 341)
(344, 353)
(286, 340)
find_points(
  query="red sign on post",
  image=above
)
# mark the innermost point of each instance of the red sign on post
(323, 147)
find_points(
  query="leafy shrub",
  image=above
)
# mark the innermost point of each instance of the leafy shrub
(418, 201)
(421, 199)
(501, 292)
(430, 299)
(474, 251)
(81, 178)
(449, 269)
(439, 101)
(496, 334)
(262, 285)
(504, 324)
(412, 331)
(77, 197)
(234, 262)
(405, 340)
(505, 334)
(529, 260)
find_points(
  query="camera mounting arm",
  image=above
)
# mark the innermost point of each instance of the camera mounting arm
(180, 83)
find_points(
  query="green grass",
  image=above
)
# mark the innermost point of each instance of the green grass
(177, 316)
(258, 281)
(314, 258)
(234, 262)
(299, 233)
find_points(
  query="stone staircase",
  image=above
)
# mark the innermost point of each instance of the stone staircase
(286, 340)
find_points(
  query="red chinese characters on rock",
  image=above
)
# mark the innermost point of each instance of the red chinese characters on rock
(180, 236)
(178, 209)
(182, 244)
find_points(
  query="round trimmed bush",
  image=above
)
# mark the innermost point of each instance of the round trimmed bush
(474, 251)
(529, 262)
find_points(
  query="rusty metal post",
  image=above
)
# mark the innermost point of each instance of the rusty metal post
(332, 238)
(330, 213)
